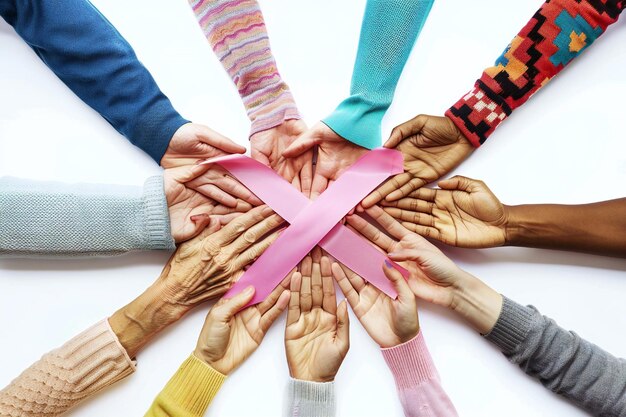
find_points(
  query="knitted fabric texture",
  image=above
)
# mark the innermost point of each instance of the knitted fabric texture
(51, 220)
(91, 57)
(388, 32)
(417, 380)
(558, 32)
(561, 360)
(189, 392)
(237, 33)
(310, 399)
(64, 377)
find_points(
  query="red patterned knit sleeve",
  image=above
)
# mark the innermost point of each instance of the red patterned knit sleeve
(558, 32)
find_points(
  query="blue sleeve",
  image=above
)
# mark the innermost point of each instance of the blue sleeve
(90, 56)
(388, 32)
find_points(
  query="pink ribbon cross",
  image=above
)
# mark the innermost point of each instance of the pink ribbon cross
(314, 222)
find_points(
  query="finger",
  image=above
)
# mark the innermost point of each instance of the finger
(406, 189)
(426, 194)
(188, 172)
(305, 288)
(213, 192)
(343, 325)
(238, 190)
(329, 302)
(274, 312)
(355, 279)
(393, 184)
(388, 223)
(302, 144)
(424, 231)
(344, 284)
(406, 129)
(320, 184)
(227, 308)
(460, 183)
(317, 294)
(254, 252)
(212, 138)
(411, 204)
(260, 156)
(410, 216)
(213, 226)
(224, 219)
(296, 182)
(242, 223)
(199, 222)
(271, 299)
(371, 232)
(306, 176)
(255, 233)
(293, 314)
(405, 295)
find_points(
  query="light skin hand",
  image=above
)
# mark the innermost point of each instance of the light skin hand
(229, 336)
(433, 277)
(335, 154)
(193, 142)
(317, 335)
(463, 213)
(268, 146)
(432, 146)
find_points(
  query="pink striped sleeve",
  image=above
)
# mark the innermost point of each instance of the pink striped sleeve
(417, 380)
(236, 31)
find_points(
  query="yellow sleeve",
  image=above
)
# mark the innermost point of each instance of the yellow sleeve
(189, 392)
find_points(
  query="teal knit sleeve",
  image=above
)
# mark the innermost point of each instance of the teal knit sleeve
(388, 32)
(42, 219)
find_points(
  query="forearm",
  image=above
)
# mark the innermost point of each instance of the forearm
(561, 360)
(90, 56)
(237, 33)
(476, 302)
(310, 399)
(64, 377)
(417, 380)
(388, 33)
(596, 228)
(48, 219)
(557, 33)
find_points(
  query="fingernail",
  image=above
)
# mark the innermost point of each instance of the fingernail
(198, 217)
(392, 254)
(249, 290)
(388, 264)
(267, 210)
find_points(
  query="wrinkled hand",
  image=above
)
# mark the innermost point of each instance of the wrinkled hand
(389, 322)
(432, 146)
(317, 335)
(193, 194)
(268, 146)
(335, 154)
(230, 336)
(464, 213)
(193, 142)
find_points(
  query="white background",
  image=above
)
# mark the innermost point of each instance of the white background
(566, 146)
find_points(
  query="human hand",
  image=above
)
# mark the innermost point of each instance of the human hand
(335, 154)
(193, 193)
(389, 322)
(433, 277)
(463, 213)
(317, 335)
(193, 142)
(432, 146)
(229, 336)
(268, 146)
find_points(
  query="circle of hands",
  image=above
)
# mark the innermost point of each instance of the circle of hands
(222, 227)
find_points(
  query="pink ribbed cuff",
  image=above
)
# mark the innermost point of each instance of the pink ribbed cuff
(410, 363)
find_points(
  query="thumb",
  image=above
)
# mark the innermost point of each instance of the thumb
(343, 324)
(406, 129)
(234, 305)
(458, 183)
(300, 146)
(404, 292)
(189, 172)
(212, 138)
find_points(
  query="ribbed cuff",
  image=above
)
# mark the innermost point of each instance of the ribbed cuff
(410, 363)
(310, 399)
(158, 234)
(193, 386)
(270, 107)
(512, 326)
(358, 121)
(478, 113)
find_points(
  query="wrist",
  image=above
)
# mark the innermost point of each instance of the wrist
(477, 303)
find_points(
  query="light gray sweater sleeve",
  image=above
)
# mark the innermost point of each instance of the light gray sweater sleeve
(40, 219)
(310, 399)
(562, 361)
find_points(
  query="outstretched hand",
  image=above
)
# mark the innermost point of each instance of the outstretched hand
(432, 146)
(463, 213)
(335, 154)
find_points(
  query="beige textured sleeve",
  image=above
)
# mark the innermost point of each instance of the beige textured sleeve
(65, 376)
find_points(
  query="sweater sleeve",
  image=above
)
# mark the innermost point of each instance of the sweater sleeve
(64, 377)
(50, 220)
(237, 33)
(88, 54)
(189, 392)
(310, 399)
(417, 380)
(562, 361)
(388, 32)
(557, 33)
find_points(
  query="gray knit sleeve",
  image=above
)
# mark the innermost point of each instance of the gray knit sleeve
(562, 361)
(41, 219)
(310, 399)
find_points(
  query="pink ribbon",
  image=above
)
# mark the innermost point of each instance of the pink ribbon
(314, 222)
